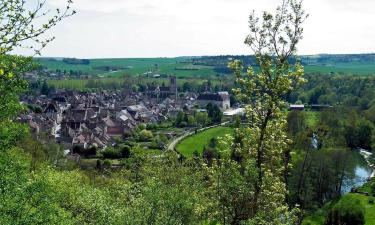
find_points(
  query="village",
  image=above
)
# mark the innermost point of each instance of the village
(79, 120)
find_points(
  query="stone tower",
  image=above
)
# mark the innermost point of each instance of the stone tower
(173, 86)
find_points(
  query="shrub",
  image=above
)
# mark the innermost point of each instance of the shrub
(107, 163)
(90, 151)
(347, 211)
(111, 153)
(125, 151)
(78, 149)
(146, 135)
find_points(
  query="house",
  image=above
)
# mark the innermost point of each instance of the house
(319, 107)
(234, 112)
(221, 99)
(296, 107)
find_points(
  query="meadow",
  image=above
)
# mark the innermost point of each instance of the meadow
(185, 67)
(181, 67)
(197, 142)
(115, 83)
(312, 118)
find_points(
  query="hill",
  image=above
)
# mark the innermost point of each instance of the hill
(204, 66)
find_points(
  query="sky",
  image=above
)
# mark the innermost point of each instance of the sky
(170, 28)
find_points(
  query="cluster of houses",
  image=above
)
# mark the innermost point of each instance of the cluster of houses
(93, 119)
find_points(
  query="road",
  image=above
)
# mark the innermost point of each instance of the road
(171, 146)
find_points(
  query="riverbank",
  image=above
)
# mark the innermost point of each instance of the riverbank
(364, 197)
(368, 157)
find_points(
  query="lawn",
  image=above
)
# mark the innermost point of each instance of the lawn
(312, 118)
(197, 142)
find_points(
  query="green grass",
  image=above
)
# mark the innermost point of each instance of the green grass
(197, 142)
(180, 67)
(351, 68)
(109, 82)
(318, 217)
(312, 118)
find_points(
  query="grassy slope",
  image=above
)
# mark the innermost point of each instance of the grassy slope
(319, 216)
(198, 141)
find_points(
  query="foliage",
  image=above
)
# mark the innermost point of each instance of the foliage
(146, 135)
(27, 198)
(214, 113)
(264, 143)
(19, 24)
(347, 211)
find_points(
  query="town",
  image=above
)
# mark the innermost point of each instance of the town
(83, 120)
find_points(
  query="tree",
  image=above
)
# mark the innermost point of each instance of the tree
(296, 122)
(273, 40)
(21, 27)
(25, 198)
(146, 135)
(214, 113)
(44, 89)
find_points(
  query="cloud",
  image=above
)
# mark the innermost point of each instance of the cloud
(150, 28)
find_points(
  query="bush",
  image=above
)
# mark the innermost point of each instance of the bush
(111, 153)
(107, 163)
(78, 150)
(125, 151)
(146, 135)
(347, 211)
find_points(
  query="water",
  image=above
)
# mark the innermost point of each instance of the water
(359, 170)
(314, 141)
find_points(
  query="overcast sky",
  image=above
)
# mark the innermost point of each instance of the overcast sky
(168, 28)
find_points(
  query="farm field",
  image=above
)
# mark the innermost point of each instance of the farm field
(186, 67)
(197, 142)
(350, 68)
(118, 82)
(116, 67)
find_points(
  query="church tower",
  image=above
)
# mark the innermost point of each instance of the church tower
(173, 86)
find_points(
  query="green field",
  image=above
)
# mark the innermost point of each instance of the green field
(350, 68)
(180, 67)
(312, 118)
(197, 142)
(185, 67)
(118, 82)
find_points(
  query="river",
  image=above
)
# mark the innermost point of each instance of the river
(360, 168)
